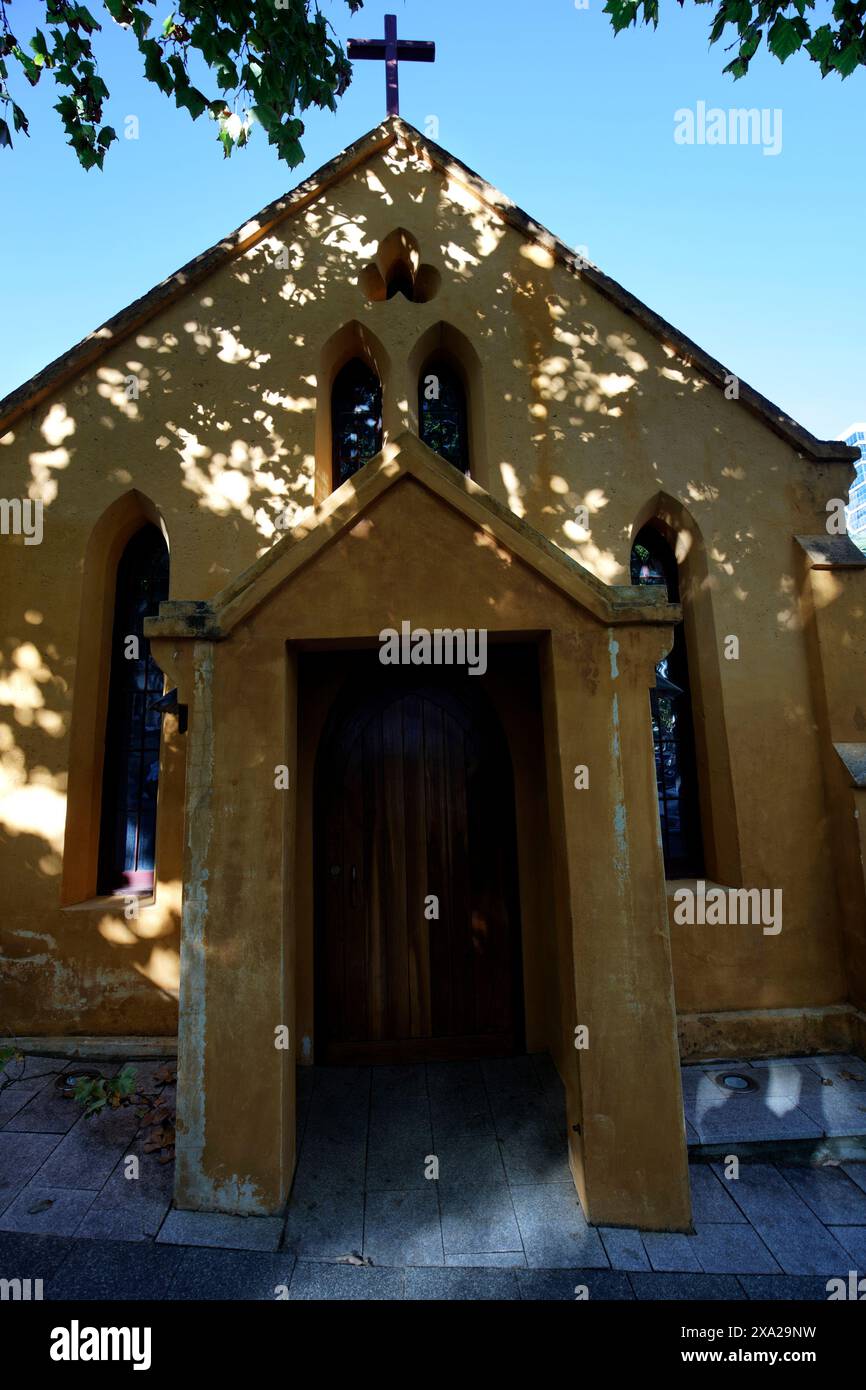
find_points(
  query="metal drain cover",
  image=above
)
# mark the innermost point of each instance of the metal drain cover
(735, 1081)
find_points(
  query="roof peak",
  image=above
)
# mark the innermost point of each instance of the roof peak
(376, 141)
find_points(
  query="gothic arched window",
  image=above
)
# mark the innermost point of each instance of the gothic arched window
(127, 841)
(442, 413)
(653, 562)
(356, 418)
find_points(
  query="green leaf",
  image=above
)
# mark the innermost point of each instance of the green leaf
(749, 45)
(177, 67)
(622, 13)
(124, 1082)
(820, 46)
(850, 58)
(783, 38)
(31, 68)
(738, 68)
(194, 102)
(86, 20)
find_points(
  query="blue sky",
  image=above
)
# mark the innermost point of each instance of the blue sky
(757, 257)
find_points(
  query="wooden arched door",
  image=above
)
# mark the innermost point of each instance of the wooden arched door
(418, 938)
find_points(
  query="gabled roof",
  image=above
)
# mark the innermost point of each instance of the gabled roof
(407, 457)
(393, 130)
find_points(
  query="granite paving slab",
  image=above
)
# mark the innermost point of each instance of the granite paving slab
(669, 1251)
(624, 1248)
(711, 1200)
(554, 1230)
(403, 1228)
(547, 1076)
(857, 1173)
(395, 1166)
(478, 1219)
(464, 1112)
(330, 1163)
(47, 1112)
(748, 1119)
(395, 1118)
(399, 1083)
(472, 1160)
(838, 1109)
(224, 1232)
(781, 1076)
(345, 1090)
(341, 1282)
(779, 1287)
(330, 1125)
(791, 1231)
(837, 1065)
(731, 1249)
(28, 1078)
(13, 1099)
(107, 1270)
(665, 1287)
(480, 1259)
(829, 1192)
(571, 1285)
(510, 1078)
(21, 1157)
(324, 1225)
(698, 1081)
(535, 1156)
(129, 1208)
(87, 1156)
(454, 1078)
(459, 1103)
(852, 1239)
(232, 1276)
(55, 1211)
(461, 1284)
(516, 1116)
(24, 1256)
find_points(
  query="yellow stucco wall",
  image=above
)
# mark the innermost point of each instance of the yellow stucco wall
(573, 404)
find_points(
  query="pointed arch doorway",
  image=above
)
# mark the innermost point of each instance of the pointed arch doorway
(417, 942)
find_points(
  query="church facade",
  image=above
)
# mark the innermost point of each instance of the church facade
(427, 653)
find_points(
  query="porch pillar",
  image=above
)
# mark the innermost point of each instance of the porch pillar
(236, 1088)
(629, 1156)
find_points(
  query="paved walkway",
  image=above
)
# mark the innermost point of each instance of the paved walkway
(444, 1181)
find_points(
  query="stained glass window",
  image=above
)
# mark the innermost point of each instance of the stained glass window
(127, 846)
(442, 413)
(653, 562)
(356, 418)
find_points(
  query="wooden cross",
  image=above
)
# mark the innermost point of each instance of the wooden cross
(392, 50)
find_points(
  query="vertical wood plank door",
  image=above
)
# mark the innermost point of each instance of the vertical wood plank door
(417, 931)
